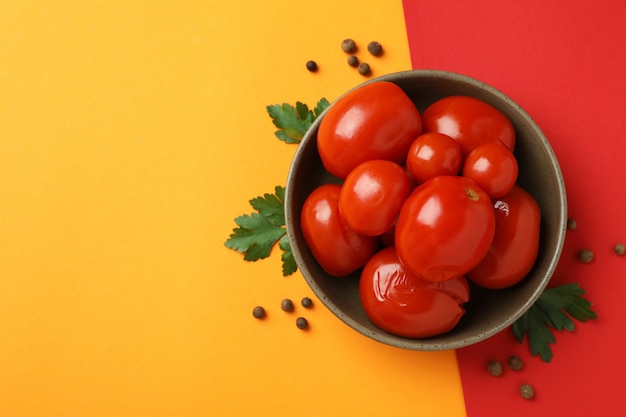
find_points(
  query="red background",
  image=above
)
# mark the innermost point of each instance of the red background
(564, 63)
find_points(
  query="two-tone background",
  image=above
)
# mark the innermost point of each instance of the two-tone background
(132, 133)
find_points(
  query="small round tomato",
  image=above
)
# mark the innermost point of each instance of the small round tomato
(338, 249)
(515, 244)
(493, 167)
(372, 195)
(375, 121)
(445, 228)
(433, 154)
(403, 304)
(469, 121)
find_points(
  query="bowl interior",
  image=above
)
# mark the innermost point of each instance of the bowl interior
(488, 311)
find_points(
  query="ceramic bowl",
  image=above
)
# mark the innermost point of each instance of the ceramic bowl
(488, 311)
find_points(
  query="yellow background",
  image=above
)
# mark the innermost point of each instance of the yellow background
(131, 135)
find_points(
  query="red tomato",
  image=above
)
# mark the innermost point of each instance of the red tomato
(403, 304)
(375, 121)
(445, 228)
(372, 195)
(515, 244)
(469, 121)
(433, 154)
(493, 167)
(339, 250)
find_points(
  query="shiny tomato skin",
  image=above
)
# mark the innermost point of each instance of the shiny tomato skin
(372, 195)
(515, 245)
(445, 228)
(493, 167)
(339, 250)
(469, 121)
(403, 304)
(433, 154)
(374, 121)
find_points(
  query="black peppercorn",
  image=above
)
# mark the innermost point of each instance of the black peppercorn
(572, 224)
(287, 305)
(364, 69)
(527, 391)
(515, 363)
(353, 61)
(619, 249)
(375, 48)
(307, 302)
(585, 255)
(258, 312)
(311, 66)
(494, 368)
(348, 46)
(302, 323)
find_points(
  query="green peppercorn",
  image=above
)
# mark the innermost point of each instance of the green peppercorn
(494, 368)
(258, 312)
(620, 249)
(527, 391)
(353, 61)
(375, 48)
(515, 363)
(348, 46)
(307, 302)
(364, 69)
(302, 323)
(287, 305)
(572, 224)
(585, 255)
(311, 66)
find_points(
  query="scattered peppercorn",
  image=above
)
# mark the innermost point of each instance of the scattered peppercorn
(302, 323)
(515, 363)
(572, 224)
(287, 305)
(585, 255)
(364, 69)
(620, 249)
(307, 302)
(494, 368)
(348, 46)
(353, 61)
(527, 391)
(311, 66)
(258, 312)
(375, 48)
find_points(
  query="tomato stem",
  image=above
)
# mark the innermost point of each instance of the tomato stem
(471, 194)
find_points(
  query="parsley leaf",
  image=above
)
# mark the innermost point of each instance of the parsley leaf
(294, 121)
(289, 262)
(258, 232)
(554, 309)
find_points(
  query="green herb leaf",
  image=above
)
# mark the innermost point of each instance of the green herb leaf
(321, 106)
(289, 262)
(254, 237)
(554, 309)
(258, 232)
(294, 121)
(271, 206)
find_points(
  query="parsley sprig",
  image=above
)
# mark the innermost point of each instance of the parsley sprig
(554, 309)
(259, 232)
(294, 121)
